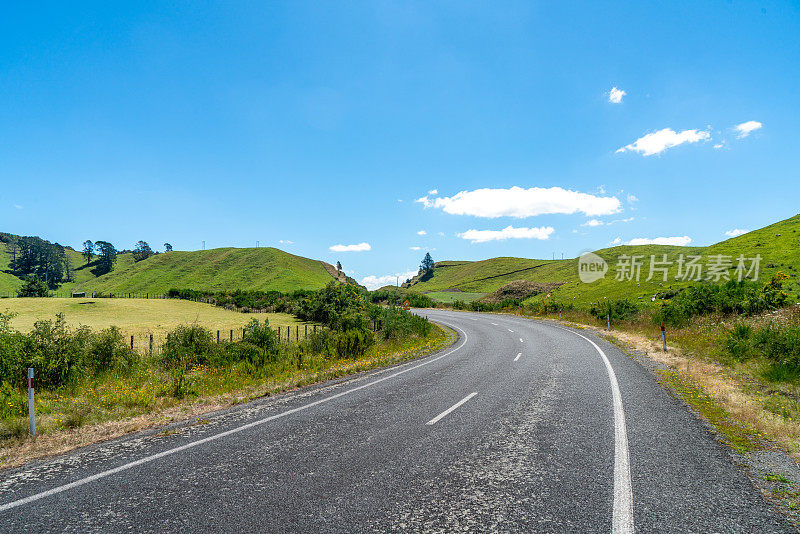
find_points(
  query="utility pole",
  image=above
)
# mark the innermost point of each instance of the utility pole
(257, 244)
(204, 245)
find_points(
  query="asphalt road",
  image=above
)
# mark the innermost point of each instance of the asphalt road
(519, 426)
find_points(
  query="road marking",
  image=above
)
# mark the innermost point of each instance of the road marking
(495, 324)
(510, 330)
(450, 409)
(521, 340)
(518, 355)
(169, 452)
(622, 519)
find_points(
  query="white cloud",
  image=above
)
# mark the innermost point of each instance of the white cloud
(658, 142)
(736, 232)
(632, 198)
(629, 219)
(286, 242)
(414, 248)
(360, 247)
(374, 282)
(680, 241)
(615, 95)
(422, 232)
(617, 241)
(593, 222)
(399, 199)
(441, 233)
(17, 206)
(433, 192)
(521, 203)
(746, 128)
(509, 232)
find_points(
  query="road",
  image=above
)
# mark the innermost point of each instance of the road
(521, 426)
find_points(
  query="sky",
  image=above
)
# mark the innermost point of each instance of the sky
(374, 132)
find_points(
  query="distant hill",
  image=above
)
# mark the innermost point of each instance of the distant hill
(217, 269)
(777, 244)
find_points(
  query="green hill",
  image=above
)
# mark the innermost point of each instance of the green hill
(777, 244)
(217, 269)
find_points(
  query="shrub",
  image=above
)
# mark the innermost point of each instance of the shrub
(55, 353)
(399, 324)
(33, 287)
(108, 350)
(618, 309)
(189, 345)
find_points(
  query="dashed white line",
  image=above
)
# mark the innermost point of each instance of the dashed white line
(521, 340)
(450, 409)
(495, 324)
(518, 355)
(510, 330)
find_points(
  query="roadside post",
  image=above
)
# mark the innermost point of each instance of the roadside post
(608, 321)
(151, 344)
(663, 336)
(31, 411)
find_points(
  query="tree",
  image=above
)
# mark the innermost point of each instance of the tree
(339, 266)
(167, 247)
(88, 250)
(33, 287)
(426, 267)
(142, 251)
(108, 256)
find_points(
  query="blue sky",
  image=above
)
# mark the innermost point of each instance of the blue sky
(322, 125)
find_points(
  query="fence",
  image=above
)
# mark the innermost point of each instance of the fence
(152, 343)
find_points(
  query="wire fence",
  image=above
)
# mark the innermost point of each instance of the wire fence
(153, 342)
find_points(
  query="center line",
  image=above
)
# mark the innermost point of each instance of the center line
(518, 355)
(521, 340)
(510, 330)
(450, 409)
(494, 324)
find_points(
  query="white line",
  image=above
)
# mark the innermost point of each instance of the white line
(521, 340)
(622, 520)
(450, 409)
(495, 324)
(518, 355)
(510, 330)
(147, 459)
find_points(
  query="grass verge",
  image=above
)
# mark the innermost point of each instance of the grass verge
(119, 403)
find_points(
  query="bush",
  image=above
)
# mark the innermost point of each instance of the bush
(780, 346)
(189, 345)
(399, 324)
(54, 352)
(33, 287)
(108, 350)
(619, 310)
(338, 344)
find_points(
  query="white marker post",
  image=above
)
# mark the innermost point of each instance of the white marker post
(31, 411)
(608, 322)
(663, 336)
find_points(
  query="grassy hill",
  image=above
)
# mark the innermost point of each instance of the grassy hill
(216, 269)
(777, 244)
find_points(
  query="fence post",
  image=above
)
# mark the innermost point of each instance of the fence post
(151, 344)
(315, 329)
(288, 333)
(131, 342)
(31, 410)
(217, 336)
(663, 336)
(305, 334)
(279, 334)
(231, 335)
(297, 332)
(608, 321)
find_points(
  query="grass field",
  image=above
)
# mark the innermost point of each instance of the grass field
(133, 316)
(448, 297)
(777, 244)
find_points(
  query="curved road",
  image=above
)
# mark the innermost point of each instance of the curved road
(520, 426)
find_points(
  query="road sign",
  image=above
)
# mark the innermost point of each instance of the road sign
(406, 305)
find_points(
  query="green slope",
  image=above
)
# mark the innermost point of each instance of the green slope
(777, 244)
(8, 282)
(217, 269)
